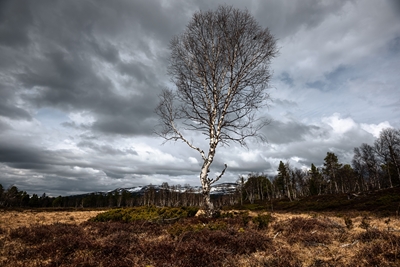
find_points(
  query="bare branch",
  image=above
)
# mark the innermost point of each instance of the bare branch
(188, 143)
(168, 115)
(212, 181)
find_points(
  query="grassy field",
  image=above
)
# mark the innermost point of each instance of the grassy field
(237, 238)
(26, 218)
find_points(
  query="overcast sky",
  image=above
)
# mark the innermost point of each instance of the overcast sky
(79, 82)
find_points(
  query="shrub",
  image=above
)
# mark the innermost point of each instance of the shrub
(365, 223)
(262, 221)
(349, 222)
(245, 218)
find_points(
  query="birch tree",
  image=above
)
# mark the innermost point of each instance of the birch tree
(220, 66)
(387, 146)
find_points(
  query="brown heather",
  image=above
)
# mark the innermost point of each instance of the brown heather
(30, 238)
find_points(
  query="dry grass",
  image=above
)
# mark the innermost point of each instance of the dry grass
(15, 219)
(316, 239)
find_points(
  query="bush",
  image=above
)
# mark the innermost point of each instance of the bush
(365, 223)
(349, 222)
(262, 221)
(245, 218)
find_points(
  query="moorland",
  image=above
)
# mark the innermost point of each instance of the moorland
(315, 231)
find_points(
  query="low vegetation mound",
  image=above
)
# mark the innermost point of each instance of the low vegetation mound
(146, 213)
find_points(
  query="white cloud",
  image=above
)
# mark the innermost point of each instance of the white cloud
(193, 160)
(81, 118)
(375, 129)
(339, 125)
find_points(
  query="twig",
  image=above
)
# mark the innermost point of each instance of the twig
(349, 244)
(276, 235)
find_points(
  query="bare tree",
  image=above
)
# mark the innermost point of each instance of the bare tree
(387, 146)
(220, 67)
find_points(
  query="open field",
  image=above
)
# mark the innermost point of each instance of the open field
(14, 219)
(67, 238)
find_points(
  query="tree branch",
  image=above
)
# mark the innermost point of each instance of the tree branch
(187, 142)
(212, 181)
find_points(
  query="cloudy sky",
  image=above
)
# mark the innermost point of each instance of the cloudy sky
(79, 82)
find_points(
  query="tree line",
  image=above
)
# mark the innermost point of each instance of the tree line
(373, 167)
(164, 195)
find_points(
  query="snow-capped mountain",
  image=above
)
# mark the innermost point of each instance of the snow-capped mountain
(218, 189)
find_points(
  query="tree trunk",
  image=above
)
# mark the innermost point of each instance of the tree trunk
(206, 187)
(394, 159)
(208, 205)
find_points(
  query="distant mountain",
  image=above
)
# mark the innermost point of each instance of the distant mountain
(217, 189)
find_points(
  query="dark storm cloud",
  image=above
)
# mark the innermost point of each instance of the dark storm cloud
(136, 70)
(285, 132)
(54, 184)
(105, 149)
(21, 154)
(114, 175)
(11, 111)
(64, 80)
(173, 172)
(334, 79)
(394, 45)
(8, 107)
(120, 125)
(105, 50)
(127, 115)
(395, 6)
(68, 41)
(4, 126)
(286, 17)
(15, 23)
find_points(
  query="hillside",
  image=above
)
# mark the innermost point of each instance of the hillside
(386, 201)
